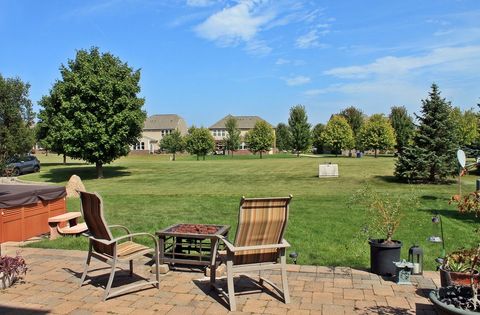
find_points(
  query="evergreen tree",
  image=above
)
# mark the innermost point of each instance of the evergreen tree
(431, 156)
(16, 119)
(260, 138)
(199, 141)
(299, 129)
(172, 143)
(93, 113)
(232, 140)
(338, 134)
(317, 139)
(403, 125)
(377, 134)
(283, 137)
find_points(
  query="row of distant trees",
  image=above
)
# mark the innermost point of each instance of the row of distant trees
(200, 142)
(425, 151)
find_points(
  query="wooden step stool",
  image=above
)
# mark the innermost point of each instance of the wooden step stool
(72, 228)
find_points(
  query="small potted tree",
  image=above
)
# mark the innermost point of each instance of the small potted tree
(11, 269)
(383, 213)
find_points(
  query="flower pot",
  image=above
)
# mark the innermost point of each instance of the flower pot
(448, 278)
(382, 256)
(6, 281)
(445, 309)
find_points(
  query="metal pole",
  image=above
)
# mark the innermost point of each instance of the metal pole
(443, 238)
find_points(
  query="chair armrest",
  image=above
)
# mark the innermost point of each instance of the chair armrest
(227, 243)
(130, 236)
(120, 227)
(232, 248)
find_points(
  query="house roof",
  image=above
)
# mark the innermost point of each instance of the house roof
(167, 121)
(244, 122)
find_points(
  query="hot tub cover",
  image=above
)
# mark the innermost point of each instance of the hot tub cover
(20, 195)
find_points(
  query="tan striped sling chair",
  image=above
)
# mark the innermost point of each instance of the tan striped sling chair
(259, 243)
(112, 251)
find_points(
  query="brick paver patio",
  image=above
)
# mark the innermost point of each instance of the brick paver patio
(52, 286)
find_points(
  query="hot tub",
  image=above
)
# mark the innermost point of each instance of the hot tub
(25, 209)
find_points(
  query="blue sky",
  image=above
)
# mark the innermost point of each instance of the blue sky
(203, 59)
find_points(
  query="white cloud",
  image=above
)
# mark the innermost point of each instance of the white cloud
(310, 39)
(200, 3)
(281, 61)
(389, 65)
(313, 92)
(234, 24)
(257, 47)
(298, 80)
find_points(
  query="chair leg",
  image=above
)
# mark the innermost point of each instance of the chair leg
(110, 280)
(230, 287)
(283, 262)
(131, 268)
(157, 264)
(87, 264)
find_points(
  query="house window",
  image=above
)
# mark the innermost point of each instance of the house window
(139, 146)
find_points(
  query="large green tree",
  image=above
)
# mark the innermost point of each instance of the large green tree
(260, 138)
(232, 139)
(431, 155)
(199, 141)
(355, 119)
(16, 119)
(172, 143)
(403, 125)
(283, 137)
(299, 129)
(317, 139)
(466, 126)
(338, 134)
(377, 134)
(94, 110)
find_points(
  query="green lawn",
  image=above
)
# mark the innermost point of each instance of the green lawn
(147, 193)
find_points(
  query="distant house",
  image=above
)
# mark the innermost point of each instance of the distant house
(244, 124)
(155, 128)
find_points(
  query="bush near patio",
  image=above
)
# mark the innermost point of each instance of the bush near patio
(147, 193)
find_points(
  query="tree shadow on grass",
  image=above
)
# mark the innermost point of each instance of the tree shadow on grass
(61, 164)
(62, 174)
(394, 179)
(453, 214)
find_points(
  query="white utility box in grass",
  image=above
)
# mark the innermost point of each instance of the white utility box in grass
(328, 170)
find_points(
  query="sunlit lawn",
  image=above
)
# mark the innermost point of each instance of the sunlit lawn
(147, 193)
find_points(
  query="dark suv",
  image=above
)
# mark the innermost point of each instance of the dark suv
(20, 165)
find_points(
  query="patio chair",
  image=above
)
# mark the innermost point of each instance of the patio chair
(259, 244)
(104, 247)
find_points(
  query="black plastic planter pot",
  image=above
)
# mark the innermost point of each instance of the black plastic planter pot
(383, 255)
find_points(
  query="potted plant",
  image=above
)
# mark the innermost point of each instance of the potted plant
(455, 269)
(384, 213)
(11, 269)
(459, 299)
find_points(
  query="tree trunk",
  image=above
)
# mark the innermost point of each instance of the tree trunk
(99, 168)
(260, 154)
(197, 157)
(46, 152)
(64, 159)
(298, 153)
(174, 156)
(375, 153)
(203, 156)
